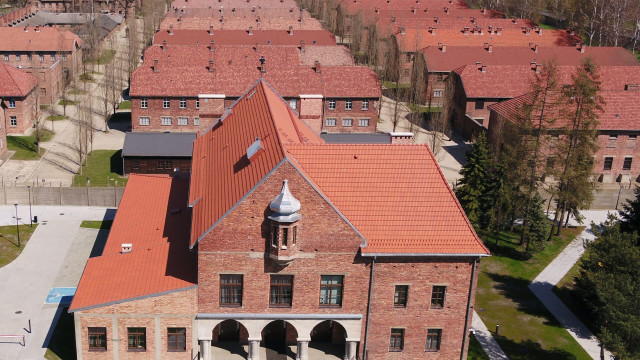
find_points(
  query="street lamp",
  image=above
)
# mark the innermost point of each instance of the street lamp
(30, 215)
(17, 227)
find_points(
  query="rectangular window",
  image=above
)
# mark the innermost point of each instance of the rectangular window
(332, 104)
(12, 103)
(135, 165)
(53, 57)
(626, 165)
(363, 122)
(196, 121)
(331, 290)
(176, 339)
(183, 121)
(97, 338)
(144, 121)
(144, 103)
(440, 77)
(166, 120)
(608, 163)
(281, 290)
(396, 342)
(64, 57)
(43, 92)
(29, 57)
(231, 290)
(365, 104)
(330, 122)
(6, 57)
(18, 57)
(406, 72)
(479, 104)
(613, 141)
(13, 121)
(437, 296)
(437, 93)
(41, 57)
(408, 57)
(400, 296)
(348, 104)
(197, 103)
(631, 141)
(137, 338)
(164, 165)
(293, 104)
(166, 103)
(433, 339)
(347, 122)
(183, 103)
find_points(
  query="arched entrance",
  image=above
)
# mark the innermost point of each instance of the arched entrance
(328, 338)
(279, 338)
(229, 339)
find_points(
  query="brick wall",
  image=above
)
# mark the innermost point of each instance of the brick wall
(155, 111)
(310, 111)
(156, 165)
(23, 112)
(340, 113)
(3, 134)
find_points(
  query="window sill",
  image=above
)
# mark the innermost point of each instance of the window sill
(230, 306)
(399, 306)
(395, 350)
(176, 350)
(136, 350)
(97, 350)
(431, 350)
(330, 306)
(280, 306)
(437, 307)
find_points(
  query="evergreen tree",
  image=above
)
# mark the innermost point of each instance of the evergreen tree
(537, 229)
(474, 184)
(631, 214)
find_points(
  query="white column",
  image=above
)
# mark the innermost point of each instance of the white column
(254, 350)
(350, 350)
(205, 349)
(303, 349)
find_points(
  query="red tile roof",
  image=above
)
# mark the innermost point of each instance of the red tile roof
(182, 71)
(45, 39)
(353, 6)
(153, 216)
(403, 206)
(238, 4)
(386, 25)
(264, 19)
(15, 82)
(242, 37)
(417, 39)
(457, 56)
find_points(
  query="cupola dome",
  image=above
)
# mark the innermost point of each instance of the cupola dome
(285, 207)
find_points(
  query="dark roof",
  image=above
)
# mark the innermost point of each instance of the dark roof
(158, 144)
(346, 138)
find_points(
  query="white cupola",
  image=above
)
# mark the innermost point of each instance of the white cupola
(285, 206)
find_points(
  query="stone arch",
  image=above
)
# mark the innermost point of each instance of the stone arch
(278, 337)
(230, 331)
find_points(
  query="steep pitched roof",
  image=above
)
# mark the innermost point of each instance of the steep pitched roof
(15, 82)
(42, 39)
(403, 204)
(153, 216)
(243, 37)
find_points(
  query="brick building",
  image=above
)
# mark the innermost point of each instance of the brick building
(13, 17)
(187, 88)
(18, 93)
(249, 36)
(241, 19)
(157, 153)
(618, 155)
(295, 254)
(3, 131)
(48, 53)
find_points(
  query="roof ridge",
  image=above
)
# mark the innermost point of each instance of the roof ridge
(262, 83)
(11, 76)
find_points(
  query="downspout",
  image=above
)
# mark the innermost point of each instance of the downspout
(366, 327)
(465, 334)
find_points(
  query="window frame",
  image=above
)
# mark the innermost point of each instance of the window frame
(28, 57)
(144, 103)
(397, 334)
(183, 103)
(185, 120)
(197, 103)
(41, 57)
(361, 122)
(365, 105)
(334, 122)
(18, 57)
(231, 286)
(175, 338)
(138, 335)
(163, 118)
(438, 297)
(196, 121)
(146, 122)
(479, 104)
(99, 332)
(166, 103)
(13, 121)
(330, 286)
(433, 334)
(347, 122)
(332, 104)
(627, 166)
(438, 93)
(135, 164)
(401, 298)
(281, 287)
(608, 163)
(12, 103)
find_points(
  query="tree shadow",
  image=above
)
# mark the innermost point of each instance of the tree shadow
(528, 349)
(517, 290)
(21, 141)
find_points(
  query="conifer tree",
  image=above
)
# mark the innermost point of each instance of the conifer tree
(474, 184)
(631, 214)
(537, 229)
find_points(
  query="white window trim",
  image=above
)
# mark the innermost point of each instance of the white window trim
(144, 103)
(163, 122)
(335, 122)
(348, 105)
(365, 107)
(167, 101)
(186, 121)
(144, 123)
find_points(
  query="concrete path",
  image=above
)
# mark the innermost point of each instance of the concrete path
(25, 283)
(543, 284)
(486, 340)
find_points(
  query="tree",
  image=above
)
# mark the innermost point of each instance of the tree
(537, 229)
(608, 285)
(631, 214)
(475, 182)
(577, 142)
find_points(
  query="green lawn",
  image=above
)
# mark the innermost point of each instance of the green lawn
(106, 56)
(475, 350)
(25, 146)
(9, 249)
(102, 225)
(56, 117)
(527, 329)
(62, 345)
(392, 85)
(67, 102)
(125, 105)
(103, 165)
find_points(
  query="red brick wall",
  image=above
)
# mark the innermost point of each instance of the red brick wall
(618, 149)
(24, 113)
(155, 112)
(3, 134)
(356, 113)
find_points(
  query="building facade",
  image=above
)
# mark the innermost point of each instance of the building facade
(19, 97)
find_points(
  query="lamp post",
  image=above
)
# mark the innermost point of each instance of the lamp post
(17, 227)
(30, 215)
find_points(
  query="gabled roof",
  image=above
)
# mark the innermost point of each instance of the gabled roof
(456, 56)
(15, 82)
(42, 39)
(402, 204)
(154, 218)
(241, 19)
(238, 4)
(243, 37)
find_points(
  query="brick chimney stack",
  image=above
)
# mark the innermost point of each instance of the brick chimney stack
(210, 67)
(303, 47)
(317, 66)
(290, 30)
(155, 66)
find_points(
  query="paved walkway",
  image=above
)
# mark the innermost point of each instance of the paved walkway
(486, 340)
(26, 281)
(543, 284)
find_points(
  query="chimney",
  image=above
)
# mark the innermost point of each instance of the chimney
(538, 68)
(263, 61)
(432, 30)
(435, 18)
(290, 30)
(483, 10)
(258, 19)
(127, 248)
(527, 31)
(535, 48)
(499, 31)
(580, 47)
(210, 68)
(484, 68)
(444, 47)
(393, 19)
(479, 65)
(26, 29)
(253, 9)
(37, 28)
(473, 20)
(490, 30)
(490, 48)
(171, 29)
(539, 31)
(413, 10)
(210, 29)
(317, 66)
(402, 30)
(446, 10)
(515, 21)
(155, 66)
(377, 10)
(250, 30)
(466, 30)
(401, 138)
(302, 46)
(212, 46)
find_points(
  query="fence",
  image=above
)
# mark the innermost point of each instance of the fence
(79, 196)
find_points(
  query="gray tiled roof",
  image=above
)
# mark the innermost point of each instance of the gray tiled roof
(158, 144)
